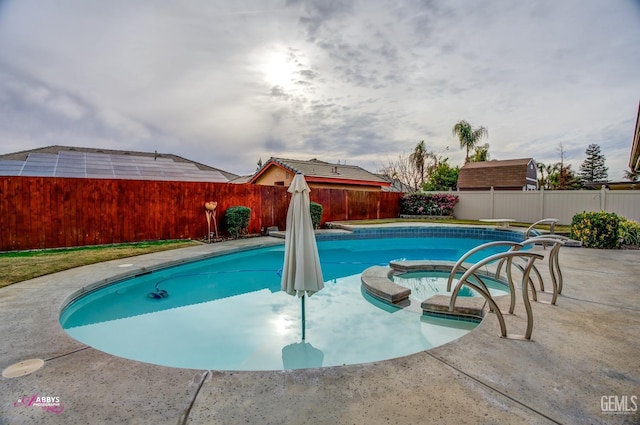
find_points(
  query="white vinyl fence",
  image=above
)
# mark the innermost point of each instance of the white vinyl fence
(531, 206)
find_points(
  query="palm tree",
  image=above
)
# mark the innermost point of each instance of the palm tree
(545, 180)
(480, 153)
(418, 158)
(542, 181)
(469, 136)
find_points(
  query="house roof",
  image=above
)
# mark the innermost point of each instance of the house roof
(317, 171)
(634, 159)
(622, 185)
(510, 173)
(495, 163)
(80, 162)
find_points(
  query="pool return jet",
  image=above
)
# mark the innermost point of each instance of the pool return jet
(301, 272)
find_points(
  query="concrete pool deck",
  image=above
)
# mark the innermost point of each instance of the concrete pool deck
(581, 367)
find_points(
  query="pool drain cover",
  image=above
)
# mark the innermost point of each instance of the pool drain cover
(22, 368)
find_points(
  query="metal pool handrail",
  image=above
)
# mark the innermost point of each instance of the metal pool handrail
(554, 264)
(550, 221)
(509, 255)
(557, 241)
(459, 265)
(461, 260)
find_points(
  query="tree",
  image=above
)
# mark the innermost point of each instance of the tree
(443, 177)
(412, 170)
(469, 136)
(563, 177)
(418, 158)
(544, 181)
(402, 170)
(480, 153)
(593, 169)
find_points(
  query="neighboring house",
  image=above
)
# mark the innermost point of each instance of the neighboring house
(510, 174)
(78, 162)
(318, 174)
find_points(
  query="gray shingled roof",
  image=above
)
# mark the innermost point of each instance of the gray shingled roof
(321, 169)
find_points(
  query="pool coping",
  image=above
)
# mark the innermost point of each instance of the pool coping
(576, 358)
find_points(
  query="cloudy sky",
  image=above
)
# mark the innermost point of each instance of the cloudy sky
(228, 82)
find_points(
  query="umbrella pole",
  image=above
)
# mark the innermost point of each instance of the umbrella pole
(303, 316)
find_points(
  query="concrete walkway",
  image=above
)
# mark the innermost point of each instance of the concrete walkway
(582, 366)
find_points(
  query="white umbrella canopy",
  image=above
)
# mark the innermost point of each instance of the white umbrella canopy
(301, 272)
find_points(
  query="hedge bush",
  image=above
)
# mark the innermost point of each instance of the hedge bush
(431, 204)
(237, 219)
(316, 214)
(629, 231)
(596, 229)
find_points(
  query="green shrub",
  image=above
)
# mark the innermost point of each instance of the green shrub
(596, 229)
(432, 204)
(316, 214)
(237, 219)
(629, 231)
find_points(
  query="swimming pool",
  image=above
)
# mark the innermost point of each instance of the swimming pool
(228, 313)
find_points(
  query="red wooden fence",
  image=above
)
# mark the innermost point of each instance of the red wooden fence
(43, 212)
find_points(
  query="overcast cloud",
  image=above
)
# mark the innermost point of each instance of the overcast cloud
(227, 83)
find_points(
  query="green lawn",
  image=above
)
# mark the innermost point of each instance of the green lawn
(23, 265)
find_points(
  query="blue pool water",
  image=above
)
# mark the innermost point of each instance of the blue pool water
(228, 313)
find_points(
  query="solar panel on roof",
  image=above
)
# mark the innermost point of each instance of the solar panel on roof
(71, 167)
(64, 173)
(90, 155)
(99, 161)
(11, 164)
(43, 161)
(65, 158)
(100, 165)
(10, 168)
(124, 168)
(186, 166)
(148, 171)
(95, 168)
(37, 156)
(36, 173)
(71, 161)
(41, 166)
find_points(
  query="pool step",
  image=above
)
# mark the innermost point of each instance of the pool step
(403, 266)
(375, 281)
(438, 305)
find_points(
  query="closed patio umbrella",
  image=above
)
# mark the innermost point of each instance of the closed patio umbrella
(301, 272)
